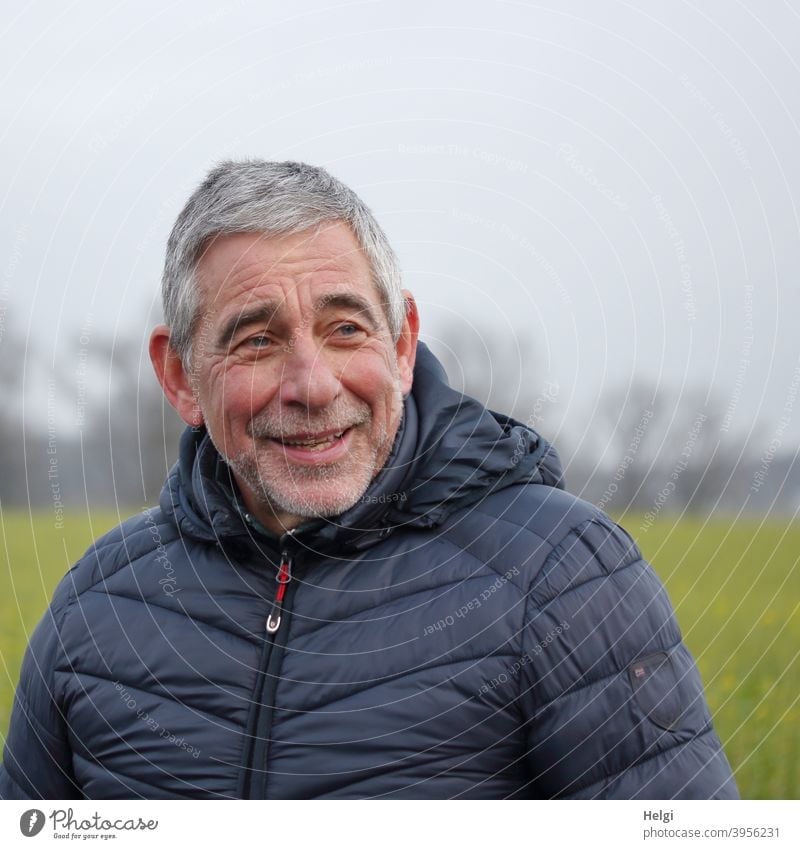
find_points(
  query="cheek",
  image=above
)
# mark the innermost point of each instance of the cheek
(369, 377)
(226, 407)
(241, 389)
(387, 397)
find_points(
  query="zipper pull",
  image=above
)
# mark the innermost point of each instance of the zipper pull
(283, 577)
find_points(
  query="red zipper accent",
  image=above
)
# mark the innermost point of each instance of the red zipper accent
(283, 577)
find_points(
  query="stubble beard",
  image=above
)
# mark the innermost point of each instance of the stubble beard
(287, 489)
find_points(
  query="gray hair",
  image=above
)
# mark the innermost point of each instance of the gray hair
(277, 199)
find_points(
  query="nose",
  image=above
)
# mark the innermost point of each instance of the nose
(307, 378)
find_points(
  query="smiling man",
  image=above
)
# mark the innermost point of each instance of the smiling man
(300, 383)
(376, 587)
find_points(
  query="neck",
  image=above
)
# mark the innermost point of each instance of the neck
(276, 521)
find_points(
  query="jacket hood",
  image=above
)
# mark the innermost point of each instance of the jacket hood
(461, 451)
(450, 452)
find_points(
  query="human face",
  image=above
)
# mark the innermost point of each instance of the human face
(295, 373)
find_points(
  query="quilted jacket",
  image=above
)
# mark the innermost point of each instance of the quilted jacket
(467, 630)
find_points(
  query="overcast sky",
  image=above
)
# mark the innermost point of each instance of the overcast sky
(614, 183)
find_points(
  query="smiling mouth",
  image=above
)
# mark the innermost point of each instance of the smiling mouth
(316, 442)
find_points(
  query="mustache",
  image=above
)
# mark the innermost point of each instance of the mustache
(284, 424)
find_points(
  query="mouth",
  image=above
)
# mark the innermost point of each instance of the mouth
(316, 448)
(313, 442)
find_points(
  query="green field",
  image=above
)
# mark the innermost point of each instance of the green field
(735, 587)
(736, 591)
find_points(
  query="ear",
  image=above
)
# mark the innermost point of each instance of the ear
(173, 377)
(407, 343)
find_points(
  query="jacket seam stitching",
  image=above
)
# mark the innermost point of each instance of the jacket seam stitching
(560, 596)
(43, 736)
(579, 528)
(124, 539)
(576, 688)
(181, 613)
(91, 559)
(125, 564)
(521, 526)
(456, 582)
(557, 549)
(486, 564)
(125, 778)
(611, 776)
(39, 727)
(565, 592)
(391, 678)
(167, 697)
(559, 546)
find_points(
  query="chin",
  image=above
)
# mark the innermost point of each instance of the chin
(313, 505)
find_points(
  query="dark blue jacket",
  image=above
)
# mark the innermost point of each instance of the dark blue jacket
(467, 630)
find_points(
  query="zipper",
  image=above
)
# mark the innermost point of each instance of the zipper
(252, 784)
(283, 577)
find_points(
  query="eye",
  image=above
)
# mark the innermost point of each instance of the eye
(259, 342)
(347, 333)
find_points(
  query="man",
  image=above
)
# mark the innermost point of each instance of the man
(358, 582)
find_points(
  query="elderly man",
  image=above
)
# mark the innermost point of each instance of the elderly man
(358, 583)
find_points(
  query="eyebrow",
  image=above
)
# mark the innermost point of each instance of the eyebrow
(264, 313)
(261, 314)
(349, 301)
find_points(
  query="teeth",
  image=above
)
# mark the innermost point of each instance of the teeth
(313, 443)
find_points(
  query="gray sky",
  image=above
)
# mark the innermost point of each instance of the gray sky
(616, 182)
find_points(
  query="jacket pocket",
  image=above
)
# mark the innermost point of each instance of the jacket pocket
(656, 690)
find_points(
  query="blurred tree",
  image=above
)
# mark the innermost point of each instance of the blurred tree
(640, 446)
(141, 433)
(13, 350)
(498, 369)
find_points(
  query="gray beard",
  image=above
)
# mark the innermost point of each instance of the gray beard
(291, 489)
(293, 493)
(292, 498)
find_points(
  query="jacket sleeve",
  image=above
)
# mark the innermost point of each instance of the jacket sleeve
(37, 762)
(613, 702)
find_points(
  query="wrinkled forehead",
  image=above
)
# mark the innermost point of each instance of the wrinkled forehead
(247, 279)
(233, 264)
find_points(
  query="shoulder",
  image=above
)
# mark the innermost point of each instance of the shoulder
(542, 531)
(121, 548)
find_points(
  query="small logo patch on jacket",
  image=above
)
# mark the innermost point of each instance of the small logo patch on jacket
(656, 690)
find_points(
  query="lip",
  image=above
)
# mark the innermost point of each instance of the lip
(315, 457)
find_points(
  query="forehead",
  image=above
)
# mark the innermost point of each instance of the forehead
(235, 266)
